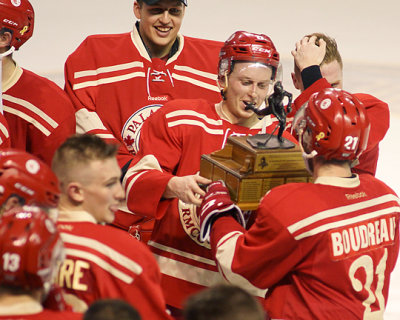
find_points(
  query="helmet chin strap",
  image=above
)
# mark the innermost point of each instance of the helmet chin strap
(310, 155)
(307, 157)
(2, 55)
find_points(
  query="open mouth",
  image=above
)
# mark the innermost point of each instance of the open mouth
(163, 30)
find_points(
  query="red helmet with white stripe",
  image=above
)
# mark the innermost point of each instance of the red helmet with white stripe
(28, 178)
(17, 16)
(30, 248)
(248, 47)
(335, 125)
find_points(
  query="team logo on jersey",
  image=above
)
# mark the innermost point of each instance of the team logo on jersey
(131, 131)
(190, 222)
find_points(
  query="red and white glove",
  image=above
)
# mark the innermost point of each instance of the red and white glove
(217, 203)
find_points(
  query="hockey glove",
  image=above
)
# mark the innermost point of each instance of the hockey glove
(217, 203)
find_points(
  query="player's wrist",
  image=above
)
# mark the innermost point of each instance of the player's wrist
(310, 75)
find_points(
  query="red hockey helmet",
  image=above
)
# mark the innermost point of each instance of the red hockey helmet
(19, 17)
(337, 125)
(251, 47)
(30, 248)
(27, 177)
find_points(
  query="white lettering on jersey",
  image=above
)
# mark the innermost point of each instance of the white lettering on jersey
(362, 237)
(190, 223)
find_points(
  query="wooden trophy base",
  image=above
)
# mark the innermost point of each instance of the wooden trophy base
(250, 172)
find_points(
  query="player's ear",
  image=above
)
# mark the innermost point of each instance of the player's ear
(12, 202)
(136, 10)
(223, 84)
(75, 192)
(295, 81)
(5, 39)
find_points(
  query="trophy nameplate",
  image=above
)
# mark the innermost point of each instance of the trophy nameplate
(250, 172)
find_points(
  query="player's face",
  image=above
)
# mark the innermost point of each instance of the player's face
(159, 24)
(333, 73)
(247, 83)
(102, 190)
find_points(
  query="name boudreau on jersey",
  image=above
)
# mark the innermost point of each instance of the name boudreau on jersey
(364, 236)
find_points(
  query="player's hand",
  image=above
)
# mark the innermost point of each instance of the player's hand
(217, 202)
(308, 52)
(186, 188)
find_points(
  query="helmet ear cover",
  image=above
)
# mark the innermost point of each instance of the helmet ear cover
(18, 18)
(27, 177)
(30, 248)
(337, 125)
(248, 47)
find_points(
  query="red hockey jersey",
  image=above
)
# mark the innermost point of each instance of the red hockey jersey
(115, 85)
(105, 262)
(379, 117)
(40, 115)
(4, 133)
(324, 250)
(172, 142)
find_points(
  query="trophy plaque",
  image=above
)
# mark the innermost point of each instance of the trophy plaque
(249, 172)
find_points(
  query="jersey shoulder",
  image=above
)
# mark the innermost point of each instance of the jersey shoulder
(370, 182)
(102, 41)
(102, 48)
(46, 95)
(185, 108)
(203, 43)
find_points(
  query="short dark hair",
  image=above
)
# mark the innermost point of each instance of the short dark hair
(111, 309)
(81, 149)
(223, 302)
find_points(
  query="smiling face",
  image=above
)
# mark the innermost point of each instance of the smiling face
(101, 189)
(159, 24)
(249, 82)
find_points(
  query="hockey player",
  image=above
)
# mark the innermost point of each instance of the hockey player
(325, 248)
(4, 133)
(163, 180)
(118, 81)
(102, 261)
(318, 65)
(30, 251)
(26, 180)
(39, 114)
